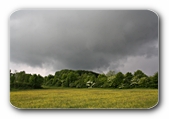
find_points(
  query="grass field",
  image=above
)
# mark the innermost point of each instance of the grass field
(85, 98)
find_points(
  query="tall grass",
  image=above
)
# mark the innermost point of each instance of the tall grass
(85, 98)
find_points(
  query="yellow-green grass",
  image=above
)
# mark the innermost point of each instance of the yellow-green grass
(85, 98)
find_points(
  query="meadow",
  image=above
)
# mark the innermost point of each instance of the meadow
(69, 98)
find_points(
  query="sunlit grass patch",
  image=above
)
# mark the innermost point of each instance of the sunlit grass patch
(85, 98)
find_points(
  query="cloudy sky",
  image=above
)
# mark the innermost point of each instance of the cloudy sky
(45, 41)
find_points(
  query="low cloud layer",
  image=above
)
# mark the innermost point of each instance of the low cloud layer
(96, 40)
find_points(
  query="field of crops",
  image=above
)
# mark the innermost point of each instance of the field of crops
(85, 98)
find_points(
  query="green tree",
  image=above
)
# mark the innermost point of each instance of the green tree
(49, 80)
(116, 82)
(154, 81)
(144, 82)
(12, 80)
(39, 81)
(127, 80)
(137, 76)
(100, 80)
(110, 73)
(35, 81)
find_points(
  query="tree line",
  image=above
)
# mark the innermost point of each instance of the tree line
(83, 79)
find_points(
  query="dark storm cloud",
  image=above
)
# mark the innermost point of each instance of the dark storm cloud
(82, 39)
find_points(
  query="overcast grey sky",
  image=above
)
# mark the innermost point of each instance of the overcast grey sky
(45, 41)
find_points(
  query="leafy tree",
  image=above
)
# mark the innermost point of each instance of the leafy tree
(83, 79)
(54, 80)
(12, 78)
(72, 77)
(144, 82)
(12, 81)
(110, 81)
(154, 81)
(58, 83)
(127, 80)
(100, 80)
(117, 80)
(36, 81)
(48, 80)
(110, 73)
(32, 80)
(39, 81)
(137, 76)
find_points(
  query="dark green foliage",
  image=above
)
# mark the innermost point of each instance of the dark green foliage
(99, 82)
(110, 73)
(21, 80)
(83, 79)
(144, 82)
(154, 81)
(72, 78)
(126, 80)
(138, 75)
(117, 80)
